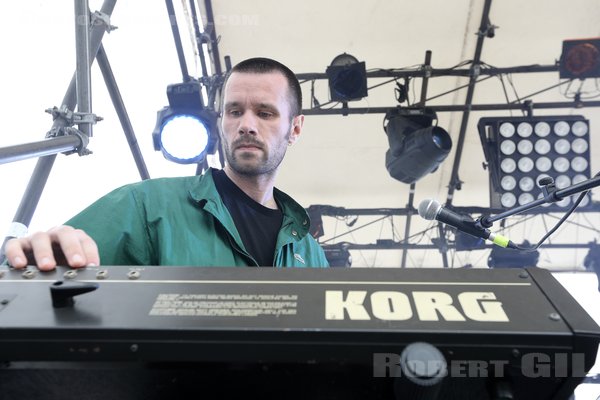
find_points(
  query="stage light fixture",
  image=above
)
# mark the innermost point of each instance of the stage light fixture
(522, 150)
(315, 215)
(347, 78)
(591, 262)
(416, 147)
(501, 257)
(338, 255)
(580, 59)
(185, 130)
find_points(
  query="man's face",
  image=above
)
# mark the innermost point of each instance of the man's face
(257, 125)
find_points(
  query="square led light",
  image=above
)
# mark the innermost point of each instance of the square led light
(522, 150)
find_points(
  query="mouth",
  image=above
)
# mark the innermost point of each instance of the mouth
(248, 147)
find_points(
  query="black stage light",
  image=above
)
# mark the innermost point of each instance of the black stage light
(347, 78)
(522, 150)
(501, 257)
(580, 59)
(416, 147)
(315, 216)
(338, 255)
(591, 261)
(185, 131)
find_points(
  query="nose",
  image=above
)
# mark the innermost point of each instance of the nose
(247, 123)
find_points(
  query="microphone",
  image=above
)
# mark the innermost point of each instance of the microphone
(431, 209)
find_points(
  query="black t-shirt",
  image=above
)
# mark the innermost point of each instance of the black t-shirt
(257, 225)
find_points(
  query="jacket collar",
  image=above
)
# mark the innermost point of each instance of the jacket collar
(203, 191)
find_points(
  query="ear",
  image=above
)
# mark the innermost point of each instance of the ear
(296, 128)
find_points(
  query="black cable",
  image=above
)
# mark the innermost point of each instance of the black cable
(558, 224)
(355, 229)
(457, 88)
(405, 240)
(422, 234)
(501, 77)
(313, 99)
(579, 92)
(382, 83)
(545, 224)
(520, 221)
(414, 67)
(540, 91)
(512, 85)
(578, 224)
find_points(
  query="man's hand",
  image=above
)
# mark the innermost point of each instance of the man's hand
(62, 245)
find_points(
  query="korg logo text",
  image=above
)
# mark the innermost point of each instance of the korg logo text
(427, 305)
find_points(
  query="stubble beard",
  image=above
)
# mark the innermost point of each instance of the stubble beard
(253, 165)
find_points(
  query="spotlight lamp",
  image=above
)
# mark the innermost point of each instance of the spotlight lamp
(580, 59)
(338, 255)
(520, 151)
(185, 131)
(347, 78)
(416, 147)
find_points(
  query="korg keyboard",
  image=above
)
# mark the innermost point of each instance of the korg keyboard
(168, 332)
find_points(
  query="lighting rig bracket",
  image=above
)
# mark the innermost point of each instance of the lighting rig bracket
(71, 118)
(213, 84)
(100, 18)
(422, 115)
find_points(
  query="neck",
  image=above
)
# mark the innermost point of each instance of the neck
(259, 188)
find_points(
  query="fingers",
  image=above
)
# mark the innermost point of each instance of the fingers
(42, 251)
(15, 252)
(90, 250)
(78, 248)
(63, 245)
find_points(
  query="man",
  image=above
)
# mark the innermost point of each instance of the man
(233, 217)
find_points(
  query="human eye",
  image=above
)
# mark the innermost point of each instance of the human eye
(265, 114)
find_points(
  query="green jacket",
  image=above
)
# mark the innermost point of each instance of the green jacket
(183, 221)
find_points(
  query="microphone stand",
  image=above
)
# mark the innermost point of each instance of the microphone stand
(551, 195)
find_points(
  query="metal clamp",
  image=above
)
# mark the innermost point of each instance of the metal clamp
(82, 150)
(84, 139)
(100, 18)
(72, 117)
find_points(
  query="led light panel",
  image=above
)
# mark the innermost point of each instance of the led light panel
(522, 150)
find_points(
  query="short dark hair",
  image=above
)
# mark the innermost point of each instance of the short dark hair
(261, 65)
